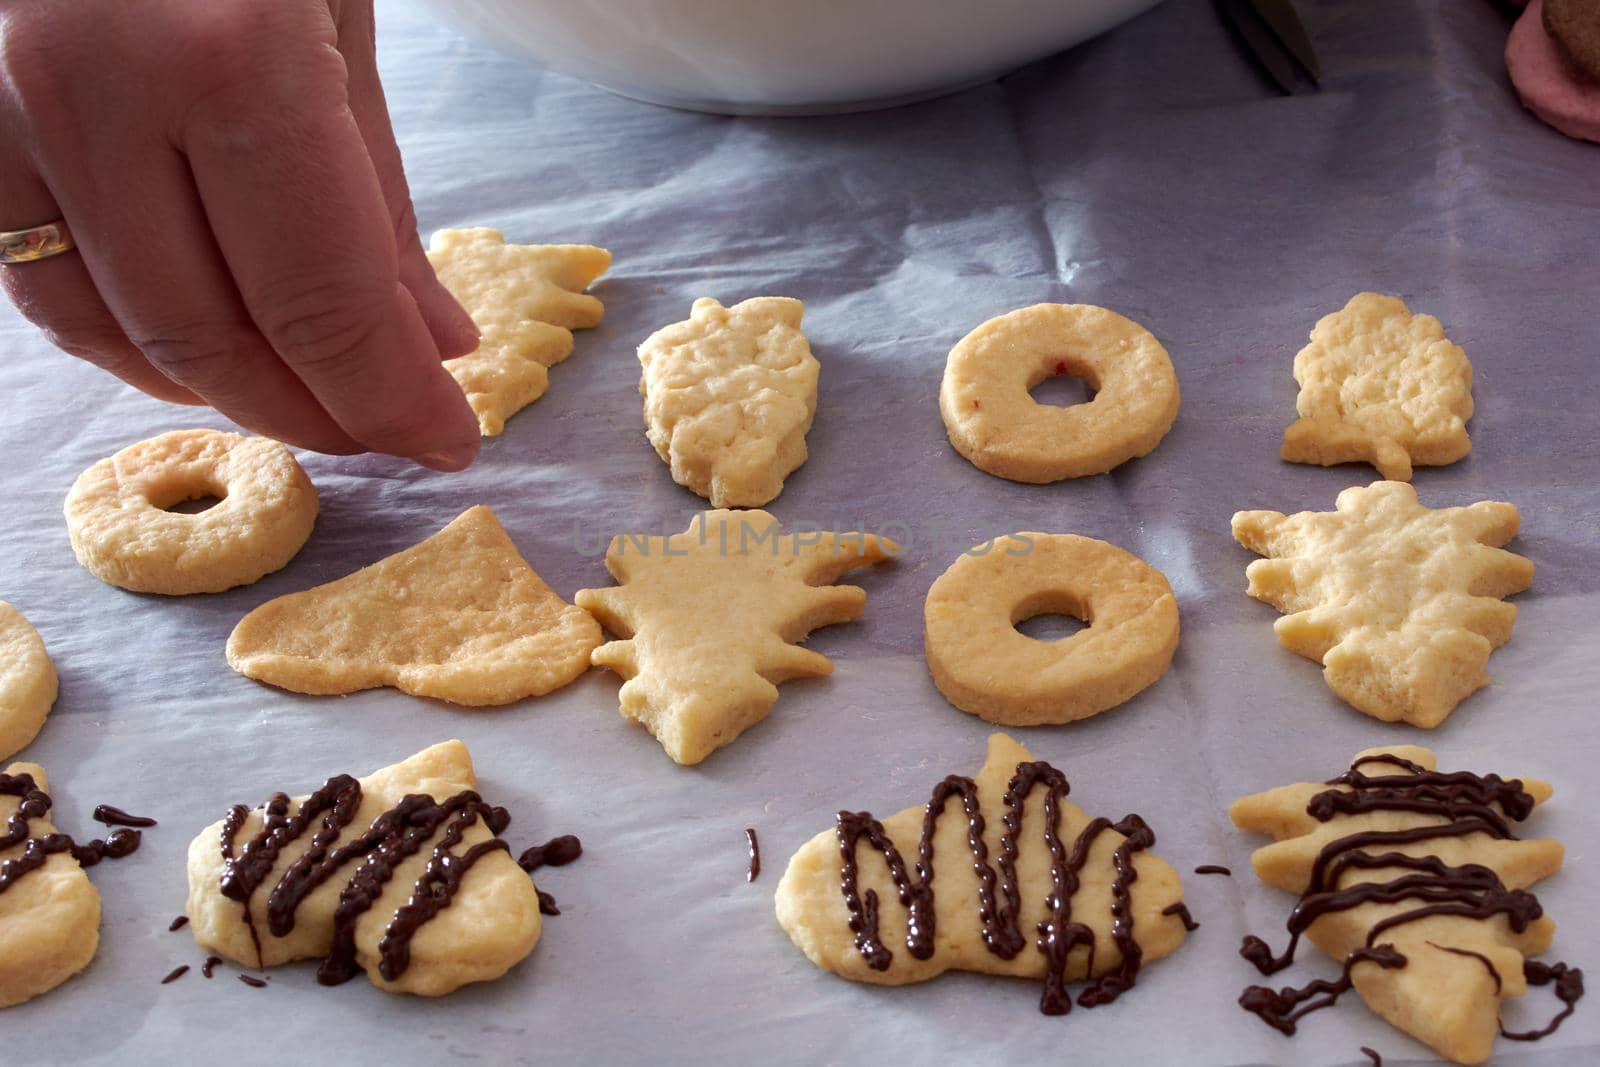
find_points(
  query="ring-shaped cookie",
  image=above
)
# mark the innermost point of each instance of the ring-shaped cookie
(122, 533)
(995, 423)
(984, 665)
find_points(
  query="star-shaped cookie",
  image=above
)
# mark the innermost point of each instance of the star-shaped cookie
(1417, 882)
(526, 301)
(1380, 385)
(1398, 602)
(709, 620)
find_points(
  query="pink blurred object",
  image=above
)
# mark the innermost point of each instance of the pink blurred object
(1548, 86)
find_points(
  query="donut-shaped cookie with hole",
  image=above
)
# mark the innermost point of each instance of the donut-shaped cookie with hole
(984, 665)
(124, 533)
(994, 422)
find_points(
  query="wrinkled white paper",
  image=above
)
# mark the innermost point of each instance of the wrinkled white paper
(1152, 171)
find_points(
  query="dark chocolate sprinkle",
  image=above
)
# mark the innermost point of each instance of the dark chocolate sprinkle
(178, 924)
(176, 973)
(117, 817)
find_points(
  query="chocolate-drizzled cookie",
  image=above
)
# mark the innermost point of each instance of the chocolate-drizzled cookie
(401, 874)
(1416, 881)
(999, 874)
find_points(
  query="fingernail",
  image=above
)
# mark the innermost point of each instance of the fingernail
(450, 460)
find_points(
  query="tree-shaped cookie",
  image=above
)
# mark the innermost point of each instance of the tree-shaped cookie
(1380, 385)
(1416, 882)
(461, 617)
(526, 301)
(401, 874)
(709, 620)
(1398, 602)
(998, 874)
(728, 398)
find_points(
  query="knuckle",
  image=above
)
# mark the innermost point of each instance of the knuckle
(202, 356)
(37, 52)
(319, 328)
(252, 64)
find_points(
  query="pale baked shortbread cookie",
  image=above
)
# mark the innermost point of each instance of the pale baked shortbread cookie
(1380, 385)
(49, 916)
(27, 681)
(988, 907)
(709, 620)
(461, 617)
(1416, 882)
(993, 421)
(414, 921)
(122, 533)
(1398, 602)
(728, 398)
(985, 666)
(526, 301)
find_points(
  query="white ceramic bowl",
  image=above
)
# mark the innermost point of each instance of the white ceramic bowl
(783, 56)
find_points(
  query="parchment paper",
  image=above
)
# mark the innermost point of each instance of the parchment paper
(1151, 171)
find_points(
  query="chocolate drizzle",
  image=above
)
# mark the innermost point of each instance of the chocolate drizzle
(1372, 1054)
(34, 803)
(1213, 868)
(210, 965)
(556, 852)
(1281, 1009)
(1467, 803)
(117, 817)
(1181, 910)
(1569, 989)
(393, 837)
(253, 982)
(755, 854)
(1480, 957)
(999, 895)
(175, 974)
(178, 924)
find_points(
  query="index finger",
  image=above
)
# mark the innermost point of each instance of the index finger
(299, 214)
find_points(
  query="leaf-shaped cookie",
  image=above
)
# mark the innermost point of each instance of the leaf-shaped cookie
(710, 619)
(28, 682)
(728, 397)
(1416, 880)
(1064, 899)
(1380, 385)
(1398, 602)
(526, 300)
(49, 915)
(461, 617)
(400, 874)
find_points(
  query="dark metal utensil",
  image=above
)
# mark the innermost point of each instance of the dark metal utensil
(1273, 32)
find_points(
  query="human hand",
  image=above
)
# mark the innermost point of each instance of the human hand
(245, 237)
